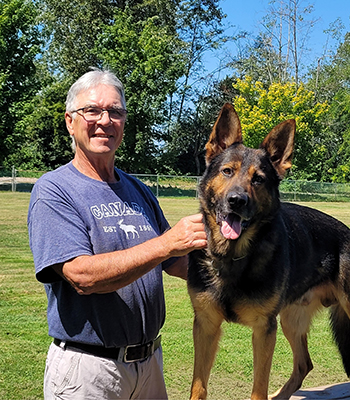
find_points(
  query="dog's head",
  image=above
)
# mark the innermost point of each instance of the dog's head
(240, 185)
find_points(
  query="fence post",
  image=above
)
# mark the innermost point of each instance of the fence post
(335, 192)
(13, 178)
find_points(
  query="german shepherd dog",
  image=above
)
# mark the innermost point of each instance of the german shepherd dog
(264, 258)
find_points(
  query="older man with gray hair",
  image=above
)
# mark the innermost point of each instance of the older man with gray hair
(100, 243)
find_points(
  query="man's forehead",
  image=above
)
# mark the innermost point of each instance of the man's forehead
(98, 94)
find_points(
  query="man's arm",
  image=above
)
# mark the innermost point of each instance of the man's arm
(179, 268)
(105, 273)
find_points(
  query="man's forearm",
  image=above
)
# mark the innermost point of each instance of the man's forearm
(105, 273)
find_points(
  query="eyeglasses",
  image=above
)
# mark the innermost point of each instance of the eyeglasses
(94, 114)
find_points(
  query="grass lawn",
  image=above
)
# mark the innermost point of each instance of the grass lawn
(23, 329)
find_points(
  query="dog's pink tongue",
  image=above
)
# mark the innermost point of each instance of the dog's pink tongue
(231, 231)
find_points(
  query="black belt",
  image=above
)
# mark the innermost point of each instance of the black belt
(128, 354)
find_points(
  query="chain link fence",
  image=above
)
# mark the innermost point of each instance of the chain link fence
(17, 180)
(186, 186)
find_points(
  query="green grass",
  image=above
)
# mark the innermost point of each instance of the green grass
(24, 338)
(23, 328)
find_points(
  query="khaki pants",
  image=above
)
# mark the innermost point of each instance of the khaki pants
(72, 374)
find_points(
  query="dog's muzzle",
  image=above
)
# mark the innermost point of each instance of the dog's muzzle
(233, 216)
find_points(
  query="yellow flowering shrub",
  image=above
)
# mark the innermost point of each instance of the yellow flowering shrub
(261, 108)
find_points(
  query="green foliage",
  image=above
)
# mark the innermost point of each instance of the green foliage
(71, 28)
(185, 147)
(261, 109)
(40, 139)
(332, 73)
(258, 59)
(144, 54)
(331, 81)
(200, 27)
(19, 45)
(340, 110)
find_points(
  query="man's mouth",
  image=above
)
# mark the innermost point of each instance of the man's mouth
(101, 135)
(230, 225)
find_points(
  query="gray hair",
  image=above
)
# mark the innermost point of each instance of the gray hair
(90, 80)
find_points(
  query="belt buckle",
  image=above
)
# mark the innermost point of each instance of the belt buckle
(147, 348)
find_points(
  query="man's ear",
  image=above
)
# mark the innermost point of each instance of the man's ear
(69, 123)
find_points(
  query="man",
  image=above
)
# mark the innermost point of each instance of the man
(100, 243)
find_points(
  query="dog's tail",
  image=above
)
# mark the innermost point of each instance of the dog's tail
(340, 323)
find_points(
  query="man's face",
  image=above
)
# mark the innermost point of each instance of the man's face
(100, 137)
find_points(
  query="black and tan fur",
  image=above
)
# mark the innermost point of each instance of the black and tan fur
(287, 260)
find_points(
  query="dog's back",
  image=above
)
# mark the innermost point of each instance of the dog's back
(319, 249)
(320, 245)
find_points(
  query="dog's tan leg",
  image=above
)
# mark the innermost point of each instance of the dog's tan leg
(295, 321)
(264, 340)
(206, 335)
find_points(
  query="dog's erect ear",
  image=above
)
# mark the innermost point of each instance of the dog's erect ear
(227, 130)
(279, 143)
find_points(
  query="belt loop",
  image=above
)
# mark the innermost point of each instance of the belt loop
(121, 354)
(60, 343)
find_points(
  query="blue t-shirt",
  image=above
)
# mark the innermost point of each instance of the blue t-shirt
(71, 215)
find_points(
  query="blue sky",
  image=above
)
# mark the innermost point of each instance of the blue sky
(246, 14)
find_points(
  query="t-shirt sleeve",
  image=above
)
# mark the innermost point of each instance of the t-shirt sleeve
(56, 234)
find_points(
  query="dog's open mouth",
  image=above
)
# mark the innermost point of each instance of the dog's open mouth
(231, 226)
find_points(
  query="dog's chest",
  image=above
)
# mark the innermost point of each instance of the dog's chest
(235, 287)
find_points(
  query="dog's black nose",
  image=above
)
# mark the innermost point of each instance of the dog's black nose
(237, 199)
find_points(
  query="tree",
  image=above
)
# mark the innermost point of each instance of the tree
(40, 138)
(201, 29)
(19, 45)
(145, 55)
(260, 110)
(277, 53)
(331, 82)
(288, 29)
(185, 148)
(258, 59)
(149, 44)
(333, 75)
(71, 28)
(340, 112)
(320, 75)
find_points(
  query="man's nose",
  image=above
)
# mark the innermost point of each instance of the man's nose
(104, 118)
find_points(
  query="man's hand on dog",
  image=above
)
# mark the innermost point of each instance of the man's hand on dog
(187, 235)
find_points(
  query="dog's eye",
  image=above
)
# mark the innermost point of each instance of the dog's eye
(258, 180)
(228, 172)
